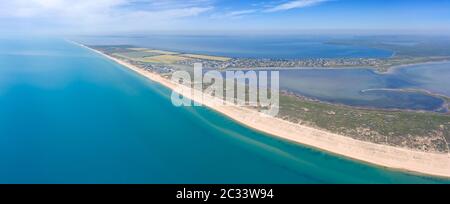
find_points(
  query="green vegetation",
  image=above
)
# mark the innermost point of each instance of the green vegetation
(207, 57)
(415, 130)
(135, 55)
(384, 65)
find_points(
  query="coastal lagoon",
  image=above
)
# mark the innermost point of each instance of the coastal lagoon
(433, 77)
(366, 88)
(69, 115)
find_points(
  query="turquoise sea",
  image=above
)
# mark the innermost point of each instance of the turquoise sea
(68, 115)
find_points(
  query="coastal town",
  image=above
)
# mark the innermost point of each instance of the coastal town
(378, 64)
(165, 62)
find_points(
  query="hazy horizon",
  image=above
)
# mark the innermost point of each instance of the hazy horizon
(110, 17)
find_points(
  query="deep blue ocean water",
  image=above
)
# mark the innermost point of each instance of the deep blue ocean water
(68, 115)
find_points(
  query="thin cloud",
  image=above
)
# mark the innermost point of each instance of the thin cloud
(270, 7)
(295, 5)
(89, 15)
(235, 14)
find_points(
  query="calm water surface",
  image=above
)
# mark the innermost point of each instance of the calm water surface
(285, 47)
(363, 87)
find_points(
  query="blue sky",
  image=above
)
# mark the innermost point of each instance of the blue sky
(272, 16)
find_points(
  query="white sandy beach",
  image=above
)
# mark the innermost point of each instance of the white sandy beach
(382, 155)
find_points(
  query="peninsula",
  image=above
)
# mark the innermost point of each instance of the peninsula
(423, 150)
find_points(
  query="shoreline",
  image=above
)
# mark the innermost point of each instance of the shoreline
(397, 67)
(445, 99)
(433, 164)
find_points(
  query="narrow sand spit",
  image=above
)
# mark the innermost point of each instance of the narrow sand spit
(386, 156)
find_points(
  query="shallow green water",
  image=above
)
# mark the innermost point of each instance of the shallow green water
(68, 115)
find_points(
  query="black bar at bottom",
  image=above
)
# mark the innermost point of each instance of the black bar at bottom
(235, 193)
